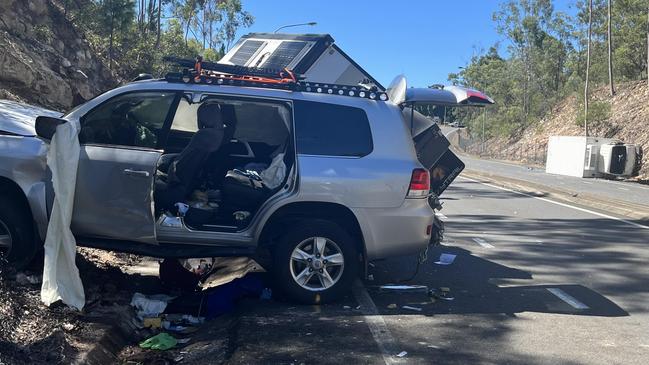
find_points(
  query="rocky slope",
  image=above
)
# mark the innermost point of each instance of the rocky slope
(45, 60)
(628, 121)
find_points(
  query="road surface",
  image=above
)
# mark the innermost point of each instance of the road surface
(621, 191)
(533, 282)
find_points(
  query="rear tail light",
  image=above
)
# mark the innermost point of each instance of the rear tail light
(419, 184)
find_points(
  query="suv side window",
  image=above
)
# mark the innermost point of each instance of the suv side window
(331, 130)
(133, 119)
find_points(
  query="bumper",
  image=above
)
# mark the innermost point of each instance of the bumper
(390, 232)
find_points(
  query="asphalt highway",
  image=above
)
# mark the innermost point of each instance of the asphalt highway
(611, 189)
(533, 282)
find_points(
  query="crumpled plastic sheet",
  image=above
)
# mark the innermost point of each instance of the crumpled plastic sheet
(61, 279)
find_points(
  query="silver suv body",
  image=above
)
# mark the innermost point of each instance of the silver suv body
(331, 204)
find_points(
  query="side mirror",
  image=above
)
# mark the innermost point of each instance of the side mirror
(46, 126)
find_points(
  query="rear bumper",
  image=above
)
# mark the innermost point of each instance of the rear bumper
(390, 232)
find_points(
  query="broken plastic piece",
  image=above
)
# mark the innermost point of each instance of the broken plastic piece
(411, 308)
(442, 293)
(423, 288)
(445, 259)
(402, 354)
(392, 306)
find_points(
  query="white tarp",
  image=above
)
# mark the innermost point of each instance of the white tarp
(61, 279)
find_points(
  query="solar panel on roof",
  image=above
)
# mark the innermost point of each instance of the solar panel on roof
(284, 54)
(245, 52)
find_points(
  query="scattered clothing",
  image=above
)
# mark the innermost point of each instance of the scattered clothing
(151, 306)
(161, 341)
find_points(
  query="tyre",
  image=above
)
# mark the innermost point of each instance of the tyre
(17, 243)
(315, 262)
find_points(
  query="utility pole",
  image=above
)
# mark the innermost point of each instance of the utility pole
(610, 52)
(590, 28)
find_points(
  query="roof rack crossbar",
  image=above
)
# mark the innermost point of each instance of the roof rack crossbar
(211, 73)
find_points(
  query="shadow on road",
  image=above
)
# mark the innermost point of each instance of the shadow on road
(474, 286)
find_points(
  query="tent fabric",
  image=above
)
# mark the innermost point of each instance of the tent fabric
(61, 280)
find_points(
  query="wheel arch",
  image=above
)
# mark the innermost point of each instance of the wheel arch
(281, 219)
(8, 186)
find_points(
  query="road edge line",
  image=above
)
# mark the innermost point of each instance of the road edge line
(626, 209)
(637, 225)
(376, 324)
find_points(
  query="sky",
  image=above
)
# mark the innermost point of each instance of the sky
(422, 39)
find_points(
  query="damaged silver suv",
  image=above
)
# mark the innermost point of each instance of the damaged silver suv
(320, 180)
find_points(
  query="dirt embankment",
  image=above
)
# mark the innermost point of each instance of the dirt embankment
(31, 333)
(44, 59)
(628, 121)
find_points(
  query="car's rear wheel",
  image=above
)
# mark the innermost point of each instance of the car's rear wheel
(316, 262)
(17, 243)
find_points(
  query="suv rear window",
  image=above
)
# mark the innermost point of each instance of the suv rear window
(331, 130)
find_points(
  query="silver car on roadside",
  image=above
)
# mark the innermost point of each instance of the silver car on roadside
(351, 189)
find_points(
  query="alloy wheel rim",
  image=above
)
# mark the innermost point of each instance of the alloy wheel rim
(317, 263)
(5, 239)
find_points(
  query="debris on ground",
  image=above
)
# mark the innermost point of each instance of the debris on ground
(410, 288)
(151, 306)
(162, 341)
(402, 354)
(227, 269)
(442, 293)
(23, 279)
(392, 306)
(411, 308)
(445, 259)
(31, 333)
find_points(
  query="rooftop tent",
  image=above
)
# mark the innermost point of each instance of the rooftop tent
(315, 56)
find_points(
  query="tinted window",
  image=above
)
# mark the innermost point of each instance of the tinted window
(134, 119)
(332, 130)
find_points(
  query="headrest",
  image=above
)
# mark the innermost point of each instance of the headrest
(209, 116)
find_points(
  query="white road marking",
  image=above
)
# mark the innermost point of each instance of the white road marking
(567, 298)
(376, 323)
(482, 242)
(440, 215)
(561, 204)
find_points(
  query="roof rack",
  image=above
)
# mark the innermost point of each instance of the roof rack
(201, 72)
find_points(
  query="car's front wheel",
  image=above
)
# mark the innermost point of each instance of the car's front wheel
(315, 262)
(17, 243)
